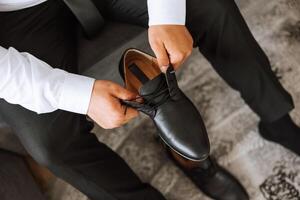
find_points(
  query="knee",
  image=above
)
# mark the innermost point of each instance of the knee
(209, 11)
(47, 157)
(48, 139)
(208, 18)
(222, 7)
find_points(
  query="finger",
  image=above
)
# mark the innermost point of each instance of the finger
(177, 64)
(177, 58)
(161, 55)
(122, 93)
(130, 114)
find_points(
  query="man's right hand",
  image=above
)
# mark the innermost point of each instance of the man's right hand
(105, 107)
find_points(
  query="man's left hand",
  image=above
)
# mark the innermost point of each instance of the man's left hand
(171, 44)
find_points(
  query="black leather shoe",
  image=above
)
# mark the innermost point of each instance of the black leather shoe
(283, 132)
(179, 123)
(215, 181)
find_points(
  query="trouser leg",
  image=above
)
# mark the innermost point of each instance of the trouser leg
(222, 36)
(62, 141)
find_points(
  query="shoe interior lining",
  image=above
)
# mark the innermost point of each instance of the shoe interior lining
(146, 63)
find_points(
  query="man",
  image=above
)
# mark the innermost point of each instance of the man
(59, 139)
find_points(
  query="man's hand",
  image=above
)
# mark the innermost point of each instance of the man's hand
(171, 44)
(105, 107)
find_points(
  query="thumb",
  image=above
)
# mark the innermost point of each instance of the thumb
(162, 56)
(130, 114)
(122, 93)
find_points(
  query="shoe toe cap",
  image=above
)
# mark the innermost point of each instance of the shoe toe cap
(191, 145)
(196, 151)
(182, 128)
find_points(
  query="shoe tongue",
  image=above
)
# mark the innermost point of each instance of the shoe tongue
(155, 85)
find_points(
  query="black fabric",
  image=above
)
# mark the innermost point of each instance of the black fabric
(87, 14)
(16, 181)
(62, 140)
(223, 37)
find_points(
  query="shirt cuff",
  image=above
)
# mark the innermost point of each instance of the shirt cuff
(76, 93)
(167, 12)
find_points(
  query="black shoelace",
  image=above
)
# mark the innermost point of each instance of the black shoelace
(150, 105)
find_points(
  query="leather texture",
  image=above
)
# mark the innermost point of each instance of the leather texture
(87, 14)
(179, 123)
(215, 181)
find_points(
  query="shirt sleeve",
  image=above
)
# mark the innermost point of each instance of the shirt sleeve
(33, 84)
(167, 12)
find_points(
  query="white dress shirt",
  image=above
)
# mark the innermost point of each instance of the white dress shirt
(33, 84)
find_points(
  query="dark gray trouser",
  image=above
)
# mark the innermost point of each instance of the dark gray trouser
(16, 180)
(61, 140)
